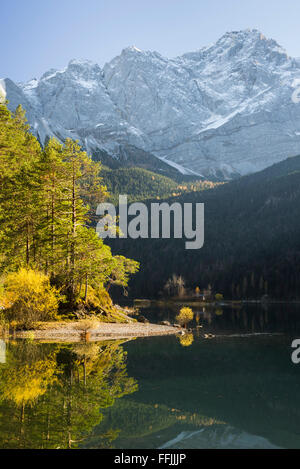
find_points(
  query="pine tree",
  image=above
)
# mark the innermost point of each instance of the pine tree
(47, 197)
(19, 188)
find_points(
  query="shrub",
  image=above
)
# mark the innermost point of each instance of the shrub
(98, 299)
(28, 297)
(86, 325)
(99, 302)
(219, 297)
(185, 316)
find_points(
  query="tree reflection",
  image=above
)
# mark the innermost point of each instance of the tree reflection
(51, 396)
(186, 340)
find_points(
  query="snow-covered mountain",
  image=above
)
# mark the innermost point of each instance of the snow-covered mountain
(226, 109)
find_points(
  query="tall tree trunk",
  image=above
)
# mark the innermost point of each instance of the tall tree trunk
(27, 244)
(86, 287)
(73, 236)
(52, 226)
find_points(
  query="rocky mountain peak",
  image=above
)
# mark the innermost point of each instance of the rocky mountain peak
(225, 109)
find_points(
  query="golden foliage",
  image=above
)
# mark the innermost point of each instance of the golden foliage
(24, 384)
(186, 340)
(98, 298)
(185, 316)
(28, 297)
(219, 296)
(86, 325)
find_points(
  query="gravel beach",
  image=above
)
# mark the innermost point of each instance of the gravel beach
(70, 332)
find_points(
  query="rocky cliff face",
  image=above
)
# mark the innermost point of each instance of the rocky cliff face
(224, 110)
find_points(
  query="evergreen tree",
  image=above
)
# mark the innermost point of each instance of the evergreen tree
(47, 198)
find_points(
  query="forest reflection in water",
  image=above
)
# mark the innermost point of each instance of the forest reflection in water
(229, 383)
(51, 395)
(227, 318)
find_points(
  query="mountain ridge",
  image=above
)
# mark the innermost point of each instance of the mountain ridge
(222, 111)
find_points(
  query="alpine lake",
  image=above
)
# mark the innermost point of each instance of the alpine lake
(228, 383)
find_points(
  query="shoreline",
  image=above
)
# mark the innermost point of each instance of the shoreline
(68, 331)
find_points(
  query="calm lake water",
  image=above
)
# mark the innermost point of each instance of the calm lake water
(238, 389)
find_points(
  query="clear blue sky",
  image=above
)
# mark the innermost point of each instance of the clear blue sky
(37, 35)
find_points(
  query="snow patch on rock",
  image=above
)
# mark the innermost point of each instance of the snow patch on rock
(225, 109)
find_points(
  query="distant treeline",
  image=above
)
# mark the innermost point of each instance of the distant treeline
(252, 240)
(142, 184)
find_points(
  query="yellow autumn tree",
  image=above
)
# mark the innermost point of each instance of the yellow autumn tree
(28, 297)
(185, 316)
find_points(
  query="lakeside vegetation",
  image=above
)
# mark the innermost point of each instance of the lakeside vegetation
(51, 259)
(52, 263)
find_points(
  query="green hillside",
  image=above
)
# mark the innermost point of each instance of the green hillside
(141, 184)
(252, 239)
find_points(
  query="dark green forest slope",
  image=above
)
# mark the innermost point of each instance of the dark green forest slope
(252, 240)
(130, 156)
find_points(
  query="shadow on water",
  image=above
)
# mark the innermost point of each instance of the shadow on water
(237, 388)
